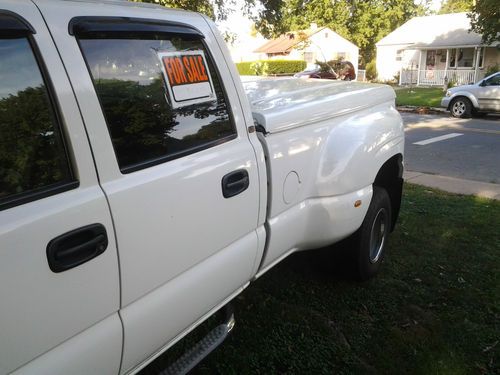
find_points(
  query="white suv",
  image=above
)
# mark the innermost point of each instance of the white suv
(483, 96)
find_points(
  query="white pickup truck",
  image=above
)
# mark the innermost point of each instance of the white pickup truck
(143, 186)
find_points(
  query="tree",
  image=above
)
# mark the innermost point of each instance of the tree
(455, 6)
(485, 20)
(362, 22)
(217, 9)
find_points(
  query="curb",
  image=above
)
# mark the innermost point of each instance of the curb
(422, 110)
(454, 185)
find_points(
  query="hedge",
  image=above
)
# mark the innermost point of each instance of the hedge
(270, 67)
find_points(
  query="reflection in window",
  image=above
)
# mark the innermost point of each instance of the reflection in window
(32, 154)
(143, 125)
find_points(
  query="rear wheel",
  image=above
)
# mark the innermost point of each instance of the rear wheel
(461, 107)
(370, 241)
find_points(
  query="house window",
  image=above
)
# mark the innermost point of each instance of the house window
(326, 35)
(309, 57)
(430, 60)
(465, 57)
(453, 59)
(341, 55)
(399, 54)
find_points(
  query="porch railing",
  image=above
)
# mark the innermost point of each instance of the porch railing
(437, 77)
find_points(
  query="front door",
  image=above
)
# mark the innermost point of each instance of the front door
(59, 286)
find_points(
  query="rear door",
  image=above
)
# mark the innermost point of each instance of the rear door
(173, 158)
(59, 286)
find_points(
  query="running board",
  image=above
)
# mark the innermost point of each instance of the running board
(204, 347)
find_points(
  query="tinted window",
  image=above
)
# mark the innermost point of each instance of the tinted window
(32, 154)
(493, 81)
(145, 127)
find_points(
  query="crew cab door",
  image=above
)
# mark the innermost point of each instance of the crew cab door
(59, 286)
(173, 158)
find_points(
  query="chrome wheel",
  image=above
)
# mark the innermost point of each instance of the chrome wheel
(459, 108)
(378, 234)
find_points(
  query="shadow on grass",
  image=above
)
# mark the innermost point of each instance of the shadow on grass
(435, 307)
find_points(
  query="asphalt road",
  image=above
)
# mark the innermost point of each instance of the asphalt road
(467, 148)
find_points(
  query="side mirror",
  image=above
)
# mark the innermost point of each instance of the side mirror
(482, 83)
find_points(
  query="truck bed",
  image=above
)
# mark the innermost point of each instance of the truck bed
(280, 104)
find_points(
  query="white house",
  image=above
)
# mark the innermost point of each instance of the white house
(316, 43)
(429, 50)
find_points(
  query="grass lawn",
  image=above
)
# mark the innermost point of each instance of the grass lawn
(419, 96)
(434, 309)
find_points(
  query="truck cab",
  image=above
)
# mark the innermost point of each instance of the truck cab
(143, 186)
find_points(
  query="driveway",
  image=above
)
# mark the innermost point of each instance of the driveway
(462, 148)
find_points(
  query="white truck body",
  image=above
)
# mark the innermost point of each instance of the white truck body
(177, 250)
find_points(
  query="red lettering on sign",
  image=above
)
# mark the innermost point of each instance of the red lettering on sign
(185, 60)
(185, 69)
(168, 68)
(180, 69)
(203, 75)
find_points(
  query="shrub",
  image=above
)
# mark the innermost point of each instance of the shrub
(258, 68)
(492, 69)
(284, 66)
(371, 70)
(270, 67)
(244, 68)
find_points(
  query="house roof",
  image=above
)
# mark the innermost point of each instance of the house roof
(443, 30)
(287, 41)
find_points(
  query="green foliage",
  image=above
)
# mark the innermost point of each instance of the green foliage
(284, 66)
(215, 10)
(485, 20)
(455, 6)
(258, 68)
(31, 153)
(451, 83)
(270, 67)
(492, 69)
(371, 70)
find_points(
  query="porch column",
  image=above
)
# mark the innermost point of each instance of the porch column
(476, 63)
(419, 66)
(447, 63)
(446, 79)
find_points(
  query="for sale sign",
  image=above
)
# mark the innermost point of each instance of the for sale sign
(187, 77)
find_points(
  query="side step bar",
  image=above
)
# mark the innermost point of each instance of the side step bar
(204, 347)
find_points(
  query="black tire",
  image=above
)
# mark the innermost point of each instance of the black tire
(461, 107)
(370, 241)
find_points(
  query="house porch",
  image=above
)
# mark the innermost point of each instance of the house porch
(459, 65)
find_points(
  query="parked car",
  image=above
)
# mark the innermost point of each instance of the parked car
(481, 97)
(344, 71)
(143, 187)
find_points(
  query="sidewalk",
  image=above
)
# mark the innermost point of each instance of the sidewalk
(454, 185)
